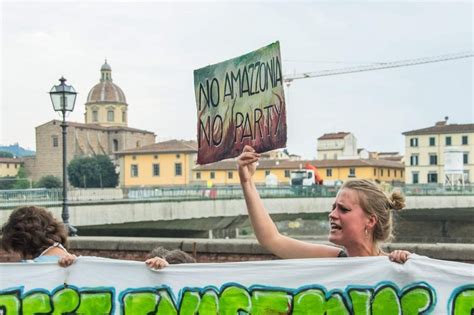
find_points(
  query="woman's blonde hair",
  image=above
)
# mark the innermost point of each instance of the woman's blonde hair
(374, 201)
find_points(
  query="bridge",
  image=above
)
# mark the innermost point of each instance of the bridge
(447, 216)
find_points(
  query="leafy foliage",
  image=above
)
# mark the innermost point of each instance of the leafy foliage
(92, 172)
(49, 181)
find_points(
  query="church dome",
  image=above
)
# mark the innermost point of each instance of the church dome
(106, 91)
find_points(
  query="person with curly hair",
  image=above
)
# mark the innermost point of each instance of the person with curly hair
(36, 235)
(360, 219)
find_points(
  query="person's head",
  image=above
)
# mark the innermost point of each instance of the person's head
(30, 230)
(362, 212)
(174, 256)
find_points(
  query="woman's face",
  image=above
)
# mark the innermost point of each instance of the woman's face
(347, 219)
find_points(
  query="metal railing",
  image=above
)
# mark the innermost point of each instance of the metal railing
(52, 197)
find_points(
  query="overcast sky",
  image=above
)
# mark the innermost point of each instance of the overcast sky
(153, 48)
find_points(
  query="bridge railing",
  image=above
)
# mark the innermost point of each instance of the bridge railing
(53, 197)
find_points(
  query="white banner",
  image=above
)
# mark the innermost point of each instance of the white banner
(368, 286)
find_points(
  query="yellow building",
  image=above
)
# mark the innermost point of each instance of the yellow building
(331, 171)
(427, 149)
(161, 164)
(9, 167)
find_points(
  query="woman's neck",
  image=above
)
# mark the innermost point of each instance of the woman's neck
(359, 250)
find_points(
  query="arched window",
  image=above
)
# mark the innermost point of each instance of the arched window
(124, 116)
(95, 115)
(115, 145)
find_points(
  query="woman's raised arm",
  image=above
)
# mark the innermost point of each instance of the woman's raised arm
(265, 230)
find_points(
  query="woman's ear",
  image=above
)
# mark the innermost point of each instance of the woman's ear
(372, 220)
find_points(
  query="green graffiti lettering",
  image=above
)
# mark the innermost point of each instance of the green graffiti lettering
(10, 302)
(309, 302)
(361, 299)
(386, 302)
(140, 303)
(416, 300)
(234, 299)
(166, 305)
(463, 303)
(36, 302)
(209, 303)
(335, 305)
(93, 302)
(190, 303)
(66, 301)
(270, 302)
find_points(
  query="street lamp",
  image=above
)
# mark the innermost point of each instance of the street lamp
(63, 97)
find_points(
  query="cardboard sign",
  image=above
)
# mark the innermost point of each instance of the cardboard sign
(240, 101)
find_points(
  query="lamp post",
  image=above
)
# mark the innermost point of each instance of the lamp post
(63, 97)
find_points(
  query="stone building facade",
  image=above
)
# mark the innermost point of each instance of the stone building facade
(104, 132)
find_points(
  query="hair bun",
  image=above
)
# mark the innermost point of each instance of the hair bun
(397, 200)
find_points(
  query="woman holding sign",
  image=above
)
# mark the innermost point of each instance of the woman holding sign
(360, 219)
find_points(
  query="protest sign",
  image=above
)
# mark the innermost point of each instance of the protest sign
(240, 101)
(361, 286)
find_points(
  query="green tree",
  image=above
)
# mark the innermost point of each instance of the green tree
(22, 181)
(5, 154)
(7, 182)
(92, 172)
(49, 181)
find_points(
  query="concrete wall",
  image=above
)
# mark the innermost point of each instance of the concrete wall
(130, 211)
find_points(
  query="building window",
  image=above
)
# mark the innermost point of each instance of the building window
(395, 171)
(329, 172)
(55, 140)
(110, 115)
(95, 116)
(134, 170)
(335, 156)
(464, 140)
(352, 172)
(433, 159)
(178, 169)
(134, 157)
(156, 169)
(155, 157)
(413, 142)
(432, 177)
(401, 173)
(432, 141)
(213, 175)
(414, 178)
(230, 175)
(267, 172)
(8, 165)
(178, 156)
(375, 172)
(115, 145)
(465, 158)
(448, 140)
(198, 175)
(287, 173)
(388, 171)
(414, 160)
(124, 116)
(381, 172)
